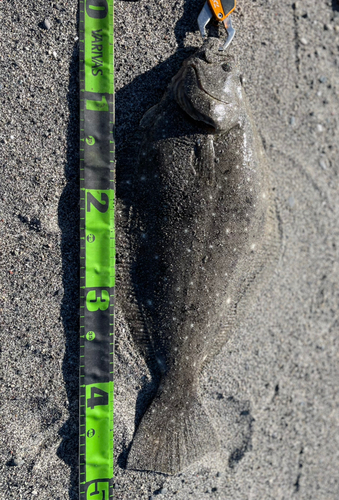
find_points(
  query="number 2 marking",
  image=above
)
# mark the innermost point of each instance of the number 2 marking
(91, 200)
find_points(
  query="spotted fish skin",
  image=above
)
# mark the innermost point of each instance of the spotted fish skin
(204, 239)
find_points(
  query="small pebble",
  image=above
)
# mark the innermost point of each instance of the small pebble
(55, 55)
(16, 462)
(303, 41)
(323, 165)
(47, 24)
(292, 121)
(320, 128)
(323, 79)
(291, 201)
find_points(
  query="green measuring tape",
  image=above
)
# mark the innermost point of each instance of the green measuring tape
(97, 253)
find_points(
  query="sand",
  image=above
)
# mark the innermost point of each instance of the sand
(273, 390)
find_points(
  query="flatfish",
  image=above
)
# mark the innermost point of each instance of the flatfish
(203, 238)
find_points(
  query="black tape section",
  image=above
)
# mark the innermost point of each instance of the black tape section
(98, 149)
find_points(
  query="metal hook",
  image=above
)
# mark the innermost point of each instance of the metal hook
(230, 33)
(206, 15)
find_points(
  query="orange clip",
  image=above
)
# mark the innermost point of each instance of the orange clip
(222, 8)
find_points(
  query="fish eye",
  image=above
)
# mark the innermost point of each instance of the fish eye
(226, 67)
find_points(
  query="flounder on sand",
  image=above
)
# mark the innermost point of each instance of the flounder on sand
(204, 237)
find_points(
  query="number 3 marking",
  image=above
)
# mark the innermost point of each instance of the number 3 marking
(95, 303)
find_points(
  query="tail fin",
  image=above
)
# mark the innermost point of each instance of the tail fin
(172, 434)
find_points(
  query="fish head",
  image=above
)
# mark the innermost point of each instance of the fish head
(208, 88)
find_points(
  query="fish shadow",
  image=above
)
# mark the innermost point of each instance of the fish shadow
(146, 90)
(68, 220)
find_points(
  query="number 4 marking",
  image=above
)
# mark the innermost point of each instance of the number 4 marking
(98, 398)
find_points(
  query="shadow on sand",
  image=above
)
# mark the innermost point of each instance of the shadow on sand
(68, 213)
